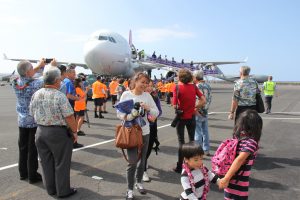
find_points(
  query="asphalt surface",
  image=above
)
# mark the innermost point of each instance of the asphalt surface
(275, 174)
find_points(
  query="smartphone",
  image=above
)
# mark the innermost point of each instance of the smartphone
(48, 60)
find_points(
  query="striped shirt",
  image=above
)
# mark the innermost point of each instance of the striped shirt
(199, 184)
(239, 184)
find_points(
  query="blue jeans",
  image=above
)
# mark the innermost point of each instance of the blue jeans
(201, 132)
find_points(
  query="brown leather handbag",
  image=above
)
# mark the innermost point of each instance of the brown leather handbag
(129, 137)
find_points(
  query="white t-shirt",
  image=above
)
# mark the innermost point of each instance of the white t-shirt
(145, 98)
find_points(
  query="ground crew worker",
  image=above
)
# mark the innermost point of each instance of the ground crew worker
(112, 88)
(269, 88)
(98, 96)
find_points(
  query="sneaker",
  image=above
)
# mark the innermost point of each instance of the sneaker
(129, 195)
(81, 133)
(76, 145)
(146, 177)
(105, 112)
(140, 188)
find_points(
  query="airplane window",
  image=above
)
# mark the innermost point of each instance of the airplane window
(112, 39)
(102, 37)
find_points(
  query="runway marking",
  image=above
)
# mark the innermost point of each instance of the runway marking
(281, 118)
(9, 166)
(74, 150)
(3, 148)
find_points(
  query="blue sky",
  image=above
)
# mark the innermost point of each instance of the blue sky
(267, 32)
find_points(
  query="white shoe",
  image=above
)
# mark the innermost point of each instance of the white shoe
(146, 177)
(129, 195)
(140, 188)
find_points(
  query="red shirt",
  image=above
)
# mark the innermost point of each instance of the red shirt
(186, 99)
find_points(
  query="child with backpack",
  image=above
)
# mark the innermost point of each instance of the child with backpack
(195, 177)
(247, 133)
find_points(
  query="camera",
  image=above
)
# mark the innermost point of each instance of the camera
(178, 114)
(48, 60)
(141, 111)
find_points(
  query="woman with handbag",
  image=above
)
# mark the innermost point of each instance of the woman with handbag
(147, 105)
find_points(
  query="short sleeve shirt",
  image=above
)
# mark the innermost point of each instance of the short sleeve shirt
(245, 92)
(23, 99)
(50, 107)
(206, 91)
(80, 104)
(70, 87)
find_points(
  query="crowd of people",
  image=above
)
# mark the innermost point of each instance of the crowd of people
(51, 112)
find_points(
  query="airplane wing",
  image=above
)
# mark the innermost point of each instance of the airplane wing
(150, 63)
(221, 62)
(36, 61)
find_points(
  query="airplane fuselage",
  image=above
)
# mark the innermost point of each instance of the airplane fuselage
(108, 53)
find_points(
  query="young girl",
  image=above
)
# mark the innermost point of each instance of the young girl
(248, 130)
(137, 93)
(195, 177)
(80, 105)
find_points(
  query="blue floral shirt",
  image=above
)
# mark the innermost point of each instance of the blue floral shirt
(245, 92)
(206, 91)
(50, 107)
(23, 99)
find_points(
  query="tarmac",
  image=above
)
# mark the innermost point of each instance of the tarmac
(98, 169)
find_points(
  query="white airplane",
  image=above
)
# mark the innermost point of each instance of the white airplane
(108, 53)
(7, 77)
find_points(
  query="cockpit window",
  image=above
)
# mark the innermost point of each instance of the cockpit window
(102, 37)
(112, 39)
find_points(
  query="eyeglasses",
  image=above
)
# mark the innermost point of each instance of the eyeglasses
(71, 66)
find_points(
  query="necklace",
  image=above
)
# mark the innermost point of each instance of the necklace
(15, 83)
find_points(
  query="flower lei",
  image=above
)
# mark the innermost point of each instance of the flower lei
(204, 171)
(15, 83)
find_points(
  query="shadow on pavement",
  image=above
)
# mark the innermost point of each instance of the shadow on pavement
(84, 193)
(263, 162)
(90, 171)
(256, 183)
(165, 176)
(110, 153)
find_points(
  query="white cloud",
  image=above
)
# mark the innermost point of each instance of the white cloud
(12, 21)
(158, 34)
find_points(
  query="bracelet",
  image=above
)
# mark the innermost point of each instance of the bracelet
(231, 112)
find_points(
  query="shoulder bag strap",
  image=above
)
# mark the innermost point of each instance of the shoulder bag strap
(139, 155)
(177, 93)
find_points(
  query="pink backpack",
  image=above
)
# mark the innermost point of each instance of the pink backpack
(224, 156)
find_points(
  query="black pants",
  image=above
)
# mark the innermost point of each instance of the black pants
(241, 109)
(190, 124)
(152, 139)
(28, 161)
(268, 100)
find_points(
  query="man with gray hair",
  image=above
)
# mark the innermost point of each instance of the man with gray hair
(71, 92)
(24, 87)
(244, 95)
(53, 114)
(201, 132)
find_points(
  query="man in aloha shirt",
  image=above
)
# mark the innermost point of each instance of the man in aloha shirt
(24, 87)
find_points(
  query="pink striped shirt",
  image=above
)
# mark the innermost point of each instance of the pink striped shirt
(239, 184)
